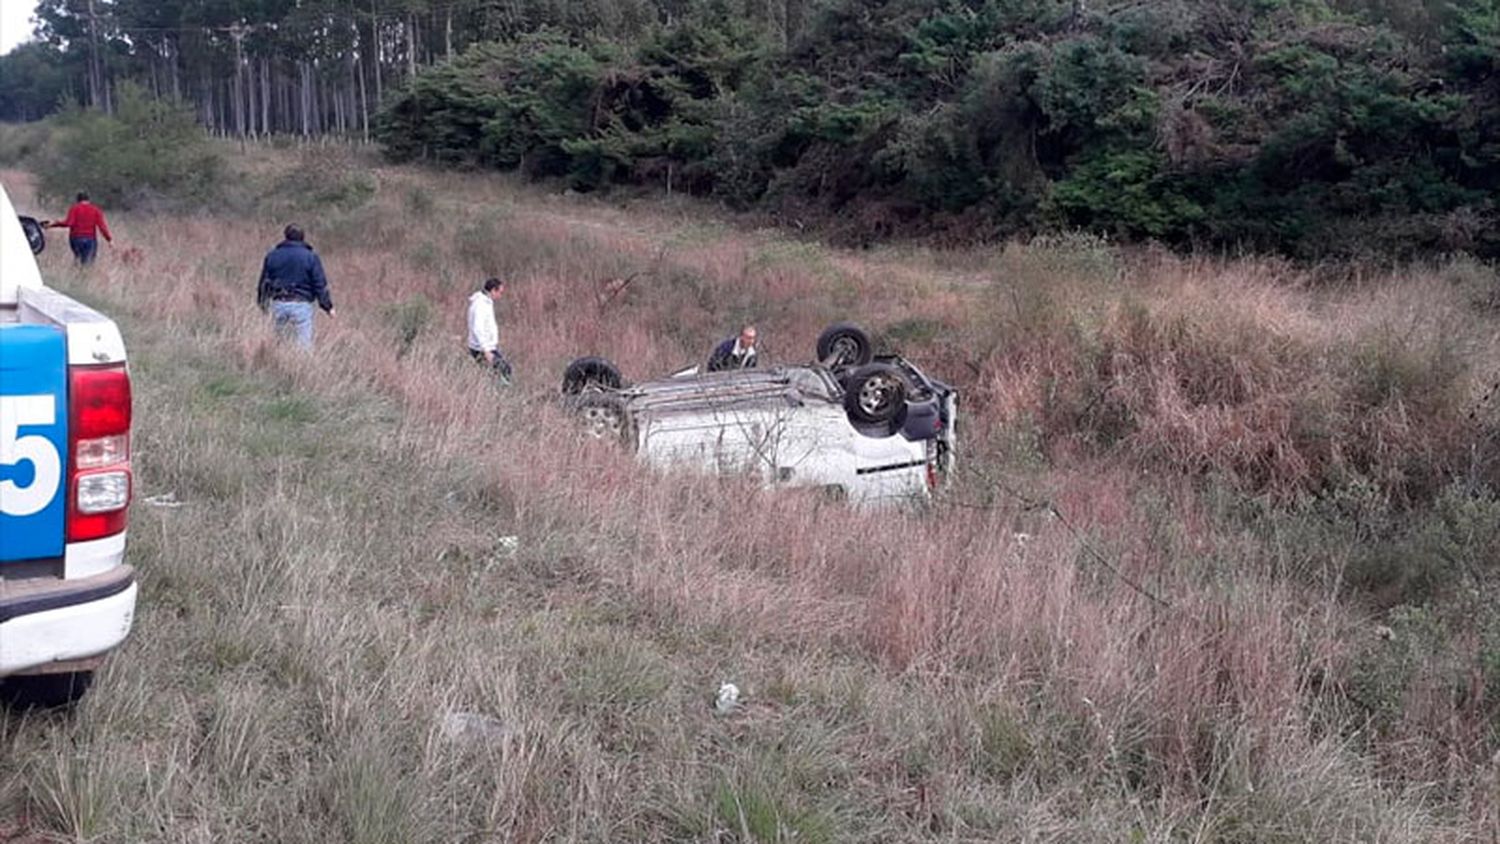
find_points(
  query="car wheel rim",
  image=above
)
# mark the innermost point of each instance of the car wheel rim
(602, 422)
(845, 351)
(877, 394)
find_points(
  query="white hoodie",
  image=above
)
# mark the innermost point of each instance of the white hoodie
(484, 332)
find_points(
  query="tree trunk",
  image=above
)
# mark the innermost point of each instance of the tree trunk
(250, 90)
(411, 44)
(304, 99)
(239, 82)
(96, 76)
(375, 51)
(206, 105)
(172, 68)
(354, 79)
(315, 93)
(448, 35)
(793, 20)
(265, 96)
(364, 108)
(256, 130)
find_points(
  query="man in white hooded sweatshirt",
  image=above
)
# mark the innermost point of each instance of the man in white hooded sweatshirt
(484, 331)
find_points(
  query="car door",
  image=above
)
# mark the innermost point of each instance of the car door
(725, 440)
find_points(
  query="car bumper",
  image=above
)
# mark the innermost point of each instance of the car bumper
(64, 620)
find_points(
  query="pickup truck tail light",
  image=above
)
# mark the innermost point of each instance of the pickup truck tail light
(99, 445)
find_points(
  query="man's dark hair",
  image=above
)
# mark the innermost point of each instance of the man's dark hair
(83, 196)
(293, 232)
(491, 284)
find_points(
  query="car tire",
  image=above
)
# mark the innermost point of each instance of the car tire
(589, 374)
(45, 691)
(875, 394)
(36, 237)
(843, 345)
(605, 417)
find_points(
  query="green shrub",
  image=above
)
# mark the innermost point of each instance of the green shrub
(1130, 194)
(149, 153)
(407, 319)
(21, 143)
(592, 113)
(419, 202)
(325, 178)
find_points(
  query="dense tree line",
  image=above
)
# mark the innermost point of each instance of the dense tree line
(1314, 127)
(1309, 126)
(292, 66)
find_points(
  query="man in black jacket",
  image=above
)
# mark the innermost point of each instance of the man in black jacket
(734, 353)
(291, 280)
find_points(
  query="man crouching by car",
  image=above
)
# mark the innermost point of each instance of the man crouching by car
(735, 353)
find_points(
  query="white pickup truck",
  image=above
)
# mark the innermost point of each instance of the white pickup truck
(66, 596)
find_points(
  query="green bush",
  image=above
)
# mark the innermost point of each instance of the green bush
(149, 153)
(1131, 194)
(594, 113)
(407, 319)
(21, 144)
(324, 178)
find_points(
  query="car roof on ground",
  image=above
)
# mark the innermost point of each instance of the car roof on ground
(779, 385)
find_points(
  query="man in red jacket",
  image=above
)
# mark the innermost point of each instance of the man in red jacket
(84, 223)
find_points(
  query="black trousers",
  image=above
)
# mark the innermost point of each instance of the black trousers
(501, 365)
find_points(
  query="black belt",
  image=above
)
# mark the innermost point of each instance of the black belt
(287, 297)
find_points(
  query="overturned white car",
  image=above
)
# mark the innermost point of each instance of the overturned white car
(856, 425)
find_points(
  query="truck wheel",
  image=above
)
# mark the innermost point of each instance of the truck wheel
(591, 373)
(844, 344)
(45, 691)
(875, 394)
(605, 417)
(36, 238)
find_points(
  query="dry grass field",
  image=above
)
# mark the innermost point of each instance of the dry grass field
(1219, 564)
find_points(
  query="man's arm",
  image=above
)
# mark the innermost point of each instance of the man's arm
(263, 288)
(65, 222)
(104, 229)
(320, 285)
(720, 356)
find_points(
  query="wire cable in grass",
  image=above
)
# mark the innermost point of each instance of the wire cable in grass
(1043, 504)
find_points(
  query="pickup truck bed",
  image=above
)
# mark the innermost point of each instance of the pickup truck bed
(66, 596)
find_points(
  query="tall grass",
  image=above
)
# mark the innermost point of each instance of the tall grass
(970, 671)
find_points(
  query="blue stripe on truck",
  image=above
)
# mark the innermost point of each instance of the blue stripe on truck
(33, 441)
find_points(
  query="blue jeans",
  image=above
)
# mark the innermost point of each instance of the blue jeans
(294, 319)
(83, 248)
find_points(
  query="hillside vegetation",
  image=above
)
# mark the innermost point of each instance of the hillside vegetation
(1309, 128)
(1220, 562)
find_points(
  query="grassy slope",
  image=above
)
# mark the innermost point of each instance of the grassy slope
(333, 584)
